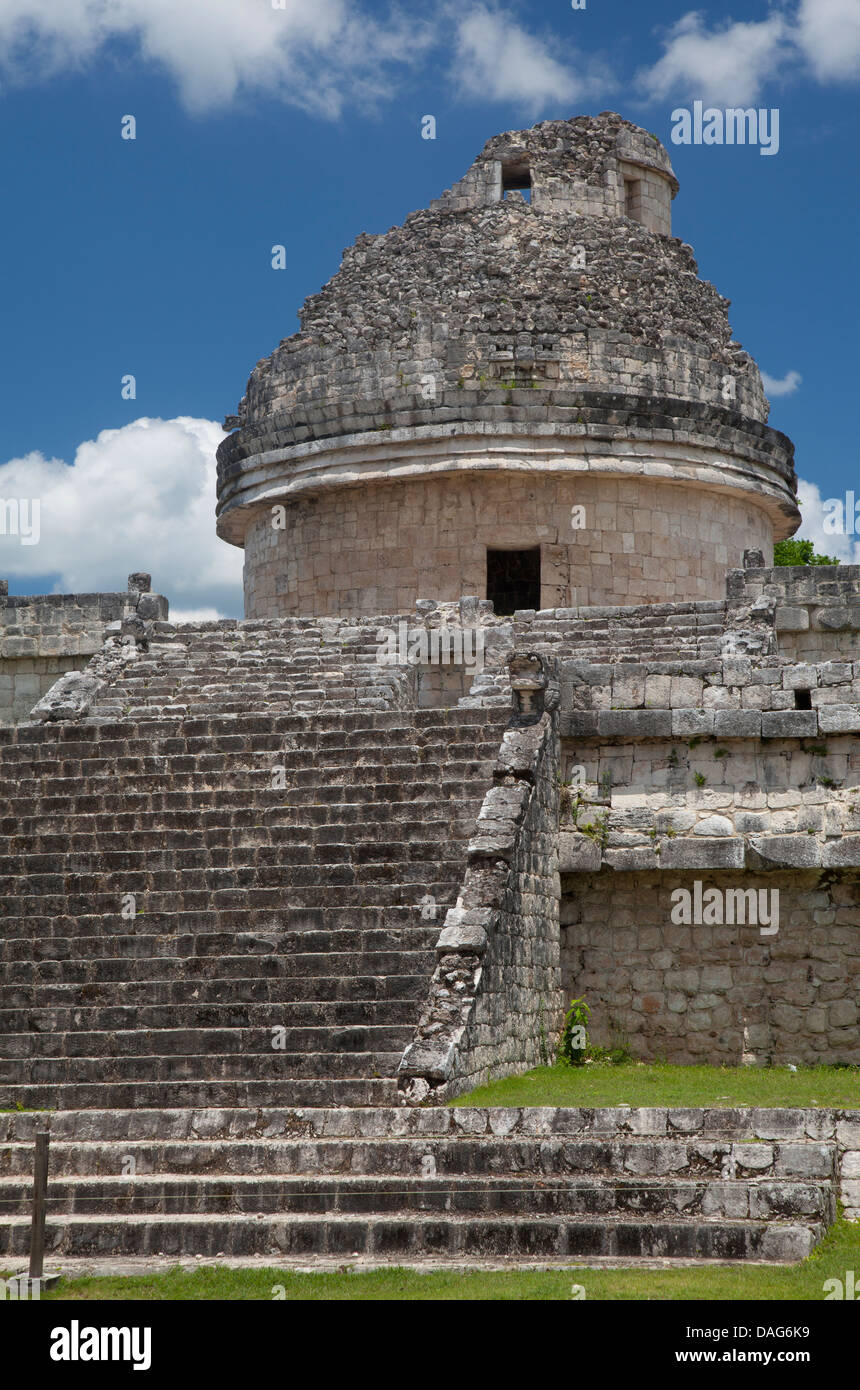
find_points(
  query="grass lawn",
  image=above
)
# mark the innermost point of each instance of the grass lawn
(602, 1083)
(837, 1253)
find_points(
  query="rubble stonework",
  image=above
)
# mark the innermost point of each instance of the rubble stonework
(466, 379)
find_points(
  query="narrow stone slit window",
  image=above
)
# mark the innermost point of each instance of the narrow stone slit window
(633, 199)
(803, 699)
(513, 579)
(517, 178)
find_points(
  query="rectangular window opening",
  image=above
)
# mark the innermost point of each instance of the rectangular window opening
(803, 699)
(517, 179)
(513, 579)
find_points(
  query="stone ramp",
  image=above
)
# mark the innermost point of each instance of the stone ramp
(419, 1185)
(227, 912)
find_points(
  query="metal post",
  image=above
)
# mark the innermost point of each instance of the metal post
(40, 1201)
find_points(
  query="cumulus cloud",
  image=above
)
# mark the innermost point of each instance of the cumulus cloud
(815, 512)
(732, 62)
(828, 31)
(726, 65)
(781, 386)
(314, 56)
(137, 498)
(495, 59)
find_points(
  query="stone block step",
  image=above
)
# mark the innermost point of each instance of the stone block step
(304, 976)
(417, 936)
(150, 1192)
(219, 1043)
(232, 1013)
(415, 1236)
(89, 949)
(311, 992)
(179, 1094)
(276, 1065)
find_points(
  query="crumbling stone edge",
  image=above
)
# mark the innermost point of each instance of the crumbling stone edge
(72, 696)
(494, 1002)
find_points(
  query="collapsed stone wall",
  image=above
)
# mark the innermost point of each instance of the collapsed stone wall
(584, 166)
(45, 636)
(494, 1004)
(716, 992)
(45, 639)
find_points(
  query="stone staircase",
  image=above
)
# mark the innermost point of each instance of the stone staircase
(417, 1185)
(286, 666)
(652, 633)
(217, 933)
(176, 930)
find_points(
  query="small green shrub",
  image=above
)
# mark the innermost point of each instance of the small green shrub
(574, 1034)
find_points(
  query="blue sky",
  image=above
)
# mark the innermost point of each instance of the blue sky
(301, 126)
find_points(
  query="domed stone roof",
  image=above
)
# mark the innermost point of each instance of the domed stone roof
(541, 305)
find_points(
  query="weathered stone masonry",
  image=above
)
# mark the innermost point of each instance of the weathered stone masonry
(466, 379)
(403, 868)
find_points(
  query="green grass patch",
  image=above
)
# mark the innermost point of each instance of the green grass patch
(837, 1253)
(602, 1083)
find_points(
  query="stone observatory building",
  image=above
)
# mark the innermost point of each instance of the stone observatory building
(533, 343)
(521, 712)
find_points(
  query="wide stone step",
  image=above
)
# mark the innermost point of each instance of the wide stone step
(154, 1066)
(232, 1013)
(312, 992)
(88, 949)
(350, 864)
(298, 977)
(217, 1043)
(180, 832)
(150, 1192)
(218, 1143)
(179, 1093)
(417, 1235)
(415, 936)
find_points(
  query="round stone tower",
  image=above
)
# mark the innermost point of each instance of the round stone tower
(525, 393)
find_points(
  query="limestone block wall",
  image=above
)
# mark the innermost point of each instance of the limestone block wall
(737, 777)
(376, 548)
(42, 637)
(716, 993)
(494, 1004)
(816, 607)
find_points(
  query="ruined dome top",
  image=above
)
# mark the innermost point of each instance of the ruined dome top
(548, 268)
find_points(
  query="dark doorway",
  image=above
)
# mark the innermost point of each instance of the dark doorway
(513, 579)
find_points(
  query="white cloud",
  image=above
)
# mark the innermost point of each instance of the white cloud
(781, 386)
(315, 56)
(137, 498)
(828, 31)
(194, 615)
(728, 65)
(845, 548)
(495, 59)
